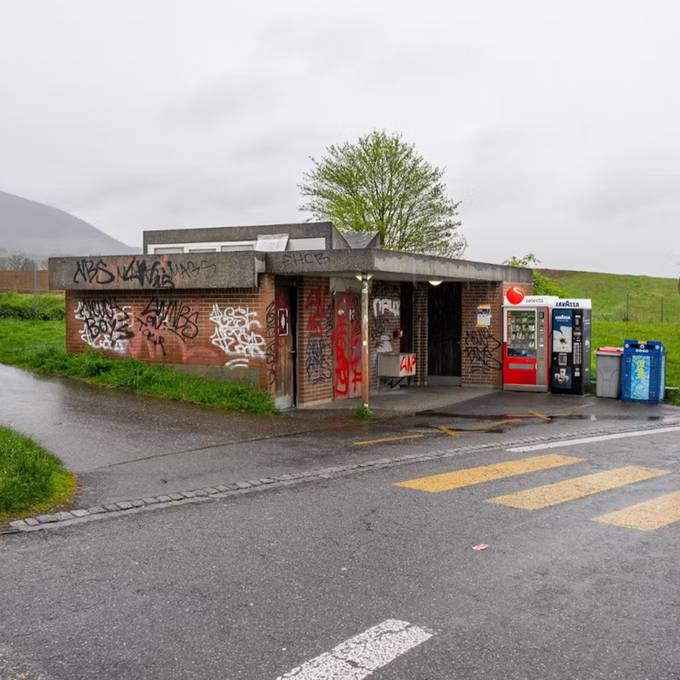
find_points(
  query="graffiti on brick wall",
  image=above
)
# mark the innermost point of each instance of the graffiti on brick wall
(106, 325)
(272, 343)
(383, 308)
(147, 272)
(236, 334)
(161, 316)
(347, 345)
(481, 350)
(317, 357)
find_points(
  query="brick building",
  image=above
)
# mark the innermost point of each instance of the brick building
(278, 307)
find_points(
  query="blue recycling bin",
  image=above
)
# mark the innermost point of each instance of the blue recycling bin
(643, 371)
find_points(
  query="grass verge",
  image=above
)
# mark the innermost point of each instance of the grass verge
(31, 479)
(39, 346)
(44, 306)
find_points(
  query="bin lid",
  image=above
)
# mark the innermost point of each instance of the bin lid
(610, 350)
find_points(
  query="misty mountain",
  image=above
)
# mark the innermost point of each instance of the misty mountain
(40, 231)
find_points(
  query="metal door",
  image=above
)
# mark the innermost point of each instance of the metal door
(347, 346)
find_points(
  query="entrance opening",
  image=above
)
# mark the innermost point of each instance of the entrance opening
(285, 310)
(444, 328)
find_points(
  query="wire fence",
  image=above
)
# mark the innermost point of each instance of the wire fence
(638, 308)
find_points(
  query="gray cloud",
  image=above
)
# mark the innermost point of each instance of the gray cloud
(556, 123)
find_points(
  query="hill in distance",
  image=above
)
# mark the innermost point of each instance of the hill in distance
(38, 231)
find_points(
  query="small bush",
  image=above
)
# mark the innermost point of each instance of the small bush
(31, 479)
(42, 307)
(362, 411)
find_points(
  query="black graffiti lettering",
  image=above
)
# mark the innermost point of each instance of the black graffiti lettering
(317, 360)
(155, 275)
(93, 271)
(170, 315)
(481, 349)
(106, 325)
(294, 259)
(189, 269)
(272, 343)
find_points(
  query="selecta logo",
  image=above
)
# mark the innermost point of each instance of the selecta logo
(515, 295)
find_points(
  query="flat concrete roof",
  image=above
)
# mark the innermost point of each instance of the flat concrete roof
(391, 265)
(240, 269)
(147, 272)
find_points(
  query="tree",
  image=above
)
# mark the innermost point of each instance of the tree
(380, 183)
(542, 284)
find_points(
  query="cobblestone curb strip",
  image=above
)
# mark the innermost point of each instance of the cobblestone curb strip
(78, 516)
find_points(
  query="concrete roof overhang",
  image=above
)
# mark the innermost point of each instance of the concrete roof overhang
(237, 269)
(391, 266)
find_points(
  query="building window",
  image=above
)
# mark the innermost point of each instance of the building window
(168, 251)
(202, 250)
(237, 245)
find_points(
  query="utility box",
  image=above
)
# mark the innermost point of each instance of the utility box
(643, 374)
(609, 372)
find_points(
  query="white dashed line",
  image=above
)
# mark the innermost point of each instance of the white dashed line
(590, 440)
(362, 654)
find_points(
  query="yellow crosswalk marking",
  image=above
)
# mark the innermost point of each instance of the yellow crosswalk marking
(646, 516)
(578, 487)
(487, 473)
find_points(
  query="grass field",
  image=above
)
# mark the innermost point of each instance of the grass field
(617, 297)
(31, 479)
(45, 307)
(39, 346)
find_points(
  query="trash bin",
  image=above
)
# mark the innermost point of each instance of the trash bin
(643, 374)
(608, 372)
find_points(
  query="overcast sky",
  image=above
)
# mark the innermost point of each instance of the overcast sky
(557, 121)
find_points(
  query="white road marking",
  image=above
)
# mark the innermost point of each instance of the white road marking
(362, 654)
(590, 440)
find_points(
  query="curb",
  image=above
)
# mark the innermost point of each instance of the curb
(77, 516)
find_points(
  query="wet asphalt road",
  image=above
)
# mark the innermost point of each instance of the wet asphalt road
(124, 447)
(252, 586)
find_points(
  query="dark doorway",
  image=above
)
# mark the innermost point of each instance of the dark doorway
(444, 328)
(406, 317)
(281, 356)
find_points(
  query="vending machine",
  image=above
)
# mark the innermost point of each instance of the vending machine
(571, 346)
(526, 341)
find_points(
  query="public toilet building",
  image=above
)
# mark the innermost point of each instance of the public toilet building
(279, 307)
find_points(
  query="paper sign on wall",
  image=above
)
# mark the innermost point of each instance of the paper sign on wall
(483, 316)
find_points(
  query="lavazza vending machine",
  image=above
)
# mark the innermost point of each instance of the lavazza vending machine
(571, 346)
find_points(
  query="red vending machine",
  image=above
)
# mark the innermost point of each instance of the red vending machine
(526, 341)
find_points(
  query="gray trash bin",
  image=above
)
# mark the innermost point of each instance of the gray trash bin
(609, 372)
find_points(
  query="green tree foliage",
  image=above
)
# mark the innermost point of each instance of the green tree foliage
(542, 284)
(380, 183)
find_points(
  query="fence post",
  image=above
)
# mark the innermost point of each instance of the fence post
(662, 299)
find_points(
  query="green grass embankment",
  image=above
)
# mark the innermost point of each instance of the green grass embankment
(31, 479)
(39, 346)
(43, 307)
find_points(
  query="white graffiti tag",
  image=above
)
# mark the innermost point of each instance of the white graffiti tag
(235, 334)
(106, 325)
(385, 306)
